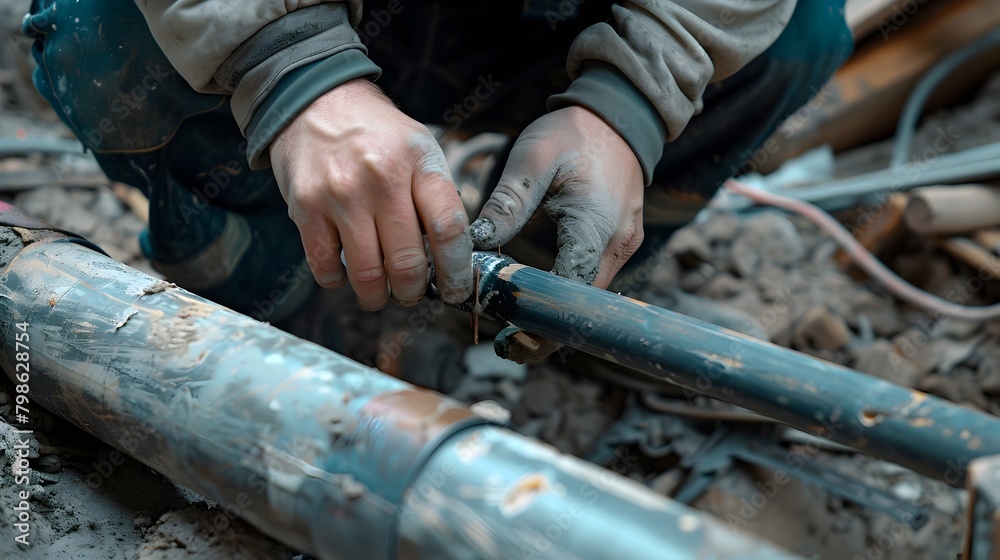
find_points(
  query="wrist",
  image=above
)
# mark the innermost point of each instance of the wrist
(354, 90)
(602, 135)
(605, 91)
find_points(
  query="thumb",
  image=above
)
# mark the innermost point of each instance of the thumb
(522, 186)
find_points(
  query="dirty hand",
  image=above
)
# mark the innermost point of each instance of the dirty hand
(588, 181)
(359, 174)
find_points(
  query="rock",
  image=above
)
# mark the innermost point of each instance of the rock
(775, 283)
(492, 411)
(881, 360)
(78, 219)
(553, 431)
(667, 482)
(945, 354)
(472, 389)
(819, 328)
(510, 391)
(884, 318)
(823, 253)
(195, 532)
(692, 280)
(723, 286)
(720, 226)
(106, 205)
(44, 203)
(958, 387)
(581, 428)
(744, 261)
(540, 396)
(586, 392)
(947, 500)
(907, 490)
(771, 236)
(10, 438)
(717, 313)
(429, 359)
(532, 428)
(989, 377)
(689, 247)
(48, 464)
(482, 361)
(959, 328)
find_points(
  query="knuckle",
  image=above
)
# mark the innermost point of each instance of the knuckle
(507, 200)
(407, 266)
(326, 252)
(368, 276)
(633, 239)
(432, 163)
(377, 165)
(628, 243)
(449, 227)
(305, 198)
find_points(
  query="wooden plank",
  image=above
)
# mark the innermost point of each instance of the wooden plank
(862, 102)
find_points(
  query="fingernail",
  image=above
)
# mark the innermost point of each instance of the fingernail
(376, 308)
(332, 278)
(482, 232)
(406, 303)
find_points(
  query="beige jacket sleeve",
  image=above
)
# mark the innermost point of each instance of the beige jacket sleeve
(247, 49)
(199, 35)
(668, 51)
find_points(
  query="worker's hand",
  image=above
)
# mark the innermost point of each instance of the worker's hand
(587, 180)
(359, 174)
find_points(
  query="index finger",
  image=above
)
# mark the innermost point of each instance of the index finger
(521, 188)
(447, 226)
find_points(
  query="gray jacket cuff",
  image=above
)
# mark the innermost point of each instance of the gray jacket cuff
(293, 41)
(295, 92)
(606, 91)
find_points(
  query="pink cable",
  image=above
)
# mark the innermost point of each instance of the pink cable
(872, 266)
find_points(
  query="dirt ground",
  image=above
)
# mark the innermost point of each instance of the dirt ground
(762, 272)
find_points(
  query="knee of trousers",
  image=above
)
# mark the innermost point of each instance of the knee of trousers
(107, 79)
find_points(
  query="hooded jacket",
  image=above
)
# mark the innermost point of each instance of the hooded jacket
(643, 71)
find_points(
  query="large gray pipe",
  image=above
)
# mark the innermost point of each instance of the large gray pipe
(326, 455)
